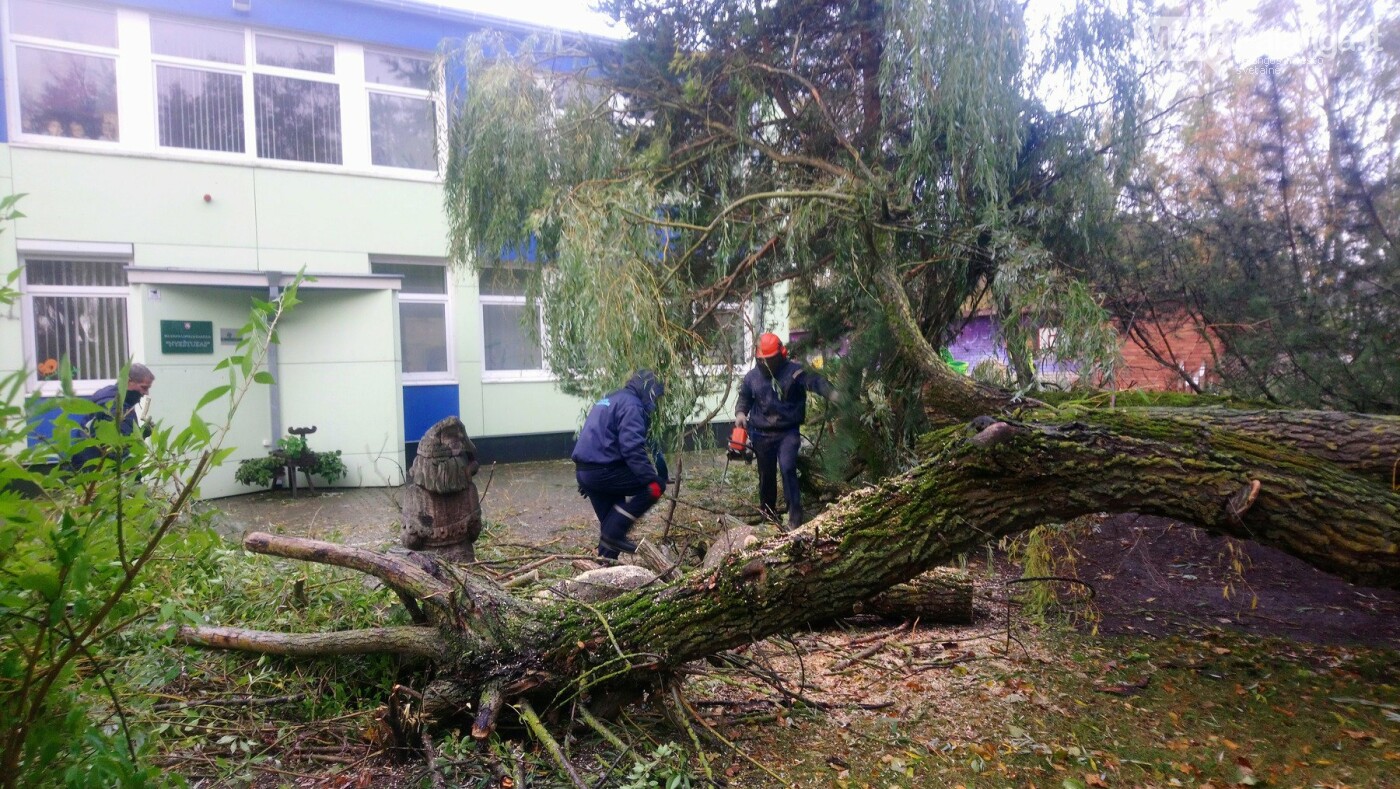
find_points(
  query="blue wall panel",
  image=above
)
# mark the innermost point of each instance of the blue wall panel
(41, 423)
(423, 406)
(413, 26)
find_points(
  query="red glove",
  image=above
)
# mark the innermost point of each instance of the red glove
(655, 490)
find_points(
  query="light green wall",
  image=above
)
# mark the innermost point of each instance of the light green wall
(11, 339)
(319, 212)
(338, 372)
(339, 356)
(256, 218)
(183, 379)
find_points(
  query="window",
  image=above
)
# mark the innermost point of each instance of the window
(77, 309)
(198, 105)
(424, 325)
(216, 91)
(298, 117)
(507, 315)
(201, 82)
(65, 59)
(402, 115)
(726, 336)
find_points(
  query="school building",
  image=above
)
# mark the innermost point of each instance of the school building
(180, 158)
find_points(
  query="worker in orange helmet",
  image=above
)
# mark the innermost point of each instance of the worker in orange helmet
(772, 407)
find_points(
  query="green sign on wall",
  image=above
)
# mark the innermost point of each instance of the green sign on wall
(186, 336)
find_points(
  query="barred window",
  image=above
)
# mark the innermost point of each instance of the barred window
(76, 309)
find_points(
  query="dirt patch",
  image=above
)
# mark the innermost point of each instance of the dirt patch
(1155, 577)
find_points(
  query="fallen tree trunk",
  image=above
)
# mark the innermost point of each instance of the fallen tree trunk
(940, 596)
(996, 478)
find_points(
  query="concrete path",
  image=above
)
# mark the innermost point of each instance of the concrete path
(534, 505)
(528, 502)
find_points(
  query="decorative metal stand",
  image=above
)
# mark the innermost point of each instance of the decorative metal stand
(304, 462)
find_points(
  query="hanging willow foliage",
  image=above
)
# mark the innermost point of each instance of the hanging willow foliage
(890, 161)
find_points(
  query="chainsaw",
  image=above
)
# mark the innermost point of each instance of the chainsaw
(739, 448)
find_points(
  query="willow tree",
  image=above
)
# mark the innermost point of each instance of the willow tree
(889, 160)
(1278, 236)
(892, 160)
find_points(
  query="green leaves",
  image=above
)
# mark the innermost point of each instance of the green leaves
(212, 395)
(74, 545)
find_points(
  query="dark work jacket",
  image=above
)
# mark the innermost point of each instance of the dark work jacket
(778, 402)
(115, 409)
(615, 431)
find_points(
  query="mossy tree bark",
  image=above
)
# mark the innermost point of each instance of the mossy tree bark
(1301, 488)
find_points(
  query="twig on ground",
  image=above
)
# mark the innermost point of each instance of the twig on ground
(683, 719)
(860, 658)
(675, 499)
(487, 489)
(537, 728)
(430, 755)
(736, 749)
(245, 701)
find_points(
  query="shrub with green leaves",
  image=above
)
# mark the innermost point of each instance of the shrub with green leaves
(264, 471)
(75, 545)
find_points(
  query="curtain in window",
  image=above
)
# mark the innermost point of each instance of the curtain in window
(198, 109)
(297, 119)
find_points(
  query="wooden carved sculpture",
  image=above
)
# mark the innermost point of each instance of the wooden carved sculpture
(441, 509)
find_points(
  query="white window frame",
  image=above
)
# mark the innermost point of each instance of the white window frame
(138, 100)
(13, 42)
(433, 97)
(336, 76)
(446, 299)
(243, 70)
(513, 376)
(741, 364)
(115, 254)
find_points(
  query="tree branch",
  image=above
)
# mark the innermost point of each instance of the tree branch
(417, 641)
(396, 573)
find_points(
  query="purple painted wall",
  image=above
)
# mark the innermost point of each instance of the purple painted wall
(980, 340)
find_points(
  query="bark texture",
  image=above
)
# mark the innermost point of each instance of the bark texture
(441, 509)
(1298, 481)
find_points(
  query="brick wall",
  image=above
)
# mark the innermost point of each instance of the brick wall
(1175, 339)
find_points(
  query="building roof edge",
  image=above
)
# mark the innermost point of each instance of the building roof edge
(464, 15)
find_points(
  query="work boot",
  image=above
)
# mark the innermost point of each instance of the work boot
(794, 519)
(615, 545)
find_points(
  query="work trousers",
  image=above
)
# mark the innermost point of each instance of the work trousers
(618, 497)
(774, 452)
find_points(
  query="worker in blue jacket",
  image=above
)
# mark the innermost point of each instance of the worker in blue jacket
(121, 410)
(613, 461)
(772, 406)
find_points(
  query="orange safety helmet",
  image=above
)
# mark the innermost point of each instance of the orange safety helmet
(769, 345)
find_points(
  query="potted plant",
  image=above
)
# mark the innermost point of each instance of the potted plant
(291, 453)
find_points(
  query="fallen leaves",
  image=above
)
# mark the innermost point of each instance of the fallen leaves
(1124, 689)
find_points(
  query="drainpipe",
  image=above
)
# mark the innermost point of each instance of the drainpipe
(274, 390)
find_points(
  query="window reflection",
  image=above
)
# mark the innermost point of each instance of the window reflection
(64, 94)
(297, 119)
